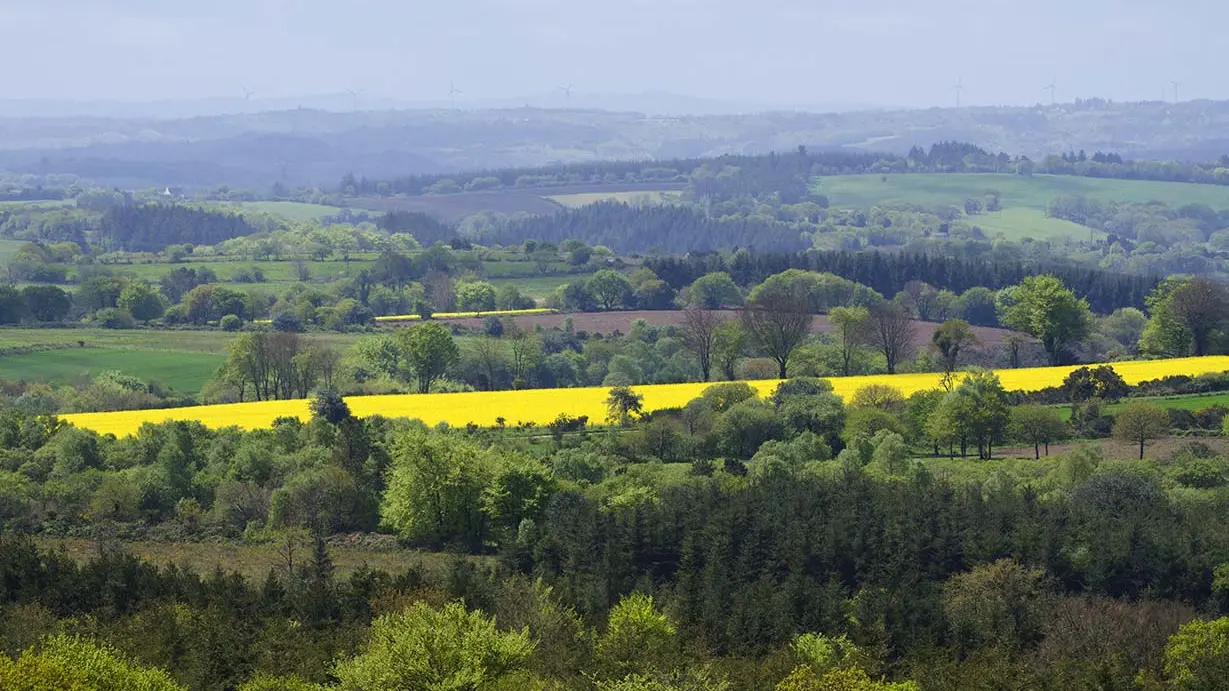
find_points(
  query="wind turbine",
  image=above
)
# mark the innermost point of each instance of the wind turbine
(247, 93)
(354, 94)
(1176, 86)
(959, 89)
(567, 94)
(1052, 87)
(452, 94)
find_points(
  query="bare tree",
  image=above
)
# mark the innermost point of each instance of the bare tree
(700, 336)
(778, 319)
(891, 332)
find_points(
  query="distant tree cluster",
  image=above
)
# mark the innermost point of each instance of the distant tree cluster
(151, 227)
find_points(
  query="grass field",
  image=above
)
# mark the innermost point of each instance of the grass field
(575, 201)
(1199, 402)
(540, 406)
(182, 360)
(537, 287)
(1024, 198)
(8, 248)
(183, 372)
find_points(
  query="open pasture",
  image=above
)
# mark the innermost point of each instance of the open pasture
(1024, 198)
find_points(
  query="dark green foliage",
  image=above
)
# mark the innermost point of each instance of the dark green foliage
(330, 407)
(151, 227)
(668, 228)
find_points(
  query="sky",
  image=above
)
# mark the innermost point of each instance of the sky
(906, 53)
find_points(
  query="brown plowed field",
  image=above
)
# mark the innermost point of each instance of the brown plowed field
(606, 322)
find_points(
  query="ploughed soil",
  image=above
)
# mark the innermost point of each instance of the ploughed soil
(608, 322)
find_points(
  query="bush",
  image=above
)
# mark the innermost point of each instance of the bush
(287, 321)
(231, 322)
(113, 318)
(494, 327)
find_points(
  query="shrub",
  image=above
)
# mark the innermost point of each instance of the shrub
(113, 318)
(288, 322)
(231, 322)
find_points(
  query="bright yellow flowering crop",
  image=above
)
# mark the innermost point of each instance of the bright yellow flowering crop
(540, 406)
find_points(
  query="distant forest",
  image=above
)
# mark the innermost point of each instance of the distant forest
(787, 174)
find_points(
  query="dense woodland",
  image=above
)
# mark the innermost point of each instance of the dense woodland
(776, 559)
(962, 537)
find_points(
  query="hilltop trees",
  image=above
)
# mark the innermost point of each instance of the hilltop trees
(1044, 308)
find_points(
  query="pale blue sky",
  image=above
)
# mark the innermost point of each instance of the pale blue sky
(887, 52)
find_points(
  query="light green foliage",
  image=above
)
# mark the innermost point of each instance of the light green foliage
(745, 427)
(475, 296)
(65, 663)
(1037, 425)
(141, 301)
(840, 679)
(824, 290)
(424, 649)
(429, 350)
(519, 490)
(435, 488)
(730, 342)
(879, 397)
(1044, 308)
(891, 455)
(865, 423)
(823, 653)
(851, 333)
(722, 397)
(714, 291)
(1165, 334)
(1197, 656)
(1140, 422)
(610, 288)
(974, 413)
(1125, 325)
(919, 408)
(638, 638)
(1003, 603)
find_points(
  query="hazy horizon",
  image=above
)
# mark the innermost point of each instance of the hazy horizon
(774, 53)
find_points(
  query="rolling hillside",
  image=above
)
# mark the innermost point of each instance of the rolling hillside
(1024, 199)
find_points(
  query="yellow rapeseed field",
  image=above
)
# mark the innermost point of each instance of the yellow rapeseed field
(540, 406)
(453, 315)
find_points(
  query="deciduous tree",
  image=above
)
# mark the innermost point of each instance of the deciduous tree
(1141, 422)
(1044, 308)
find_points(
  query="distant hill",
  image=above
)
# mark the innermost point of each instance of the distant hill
(306, 146)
